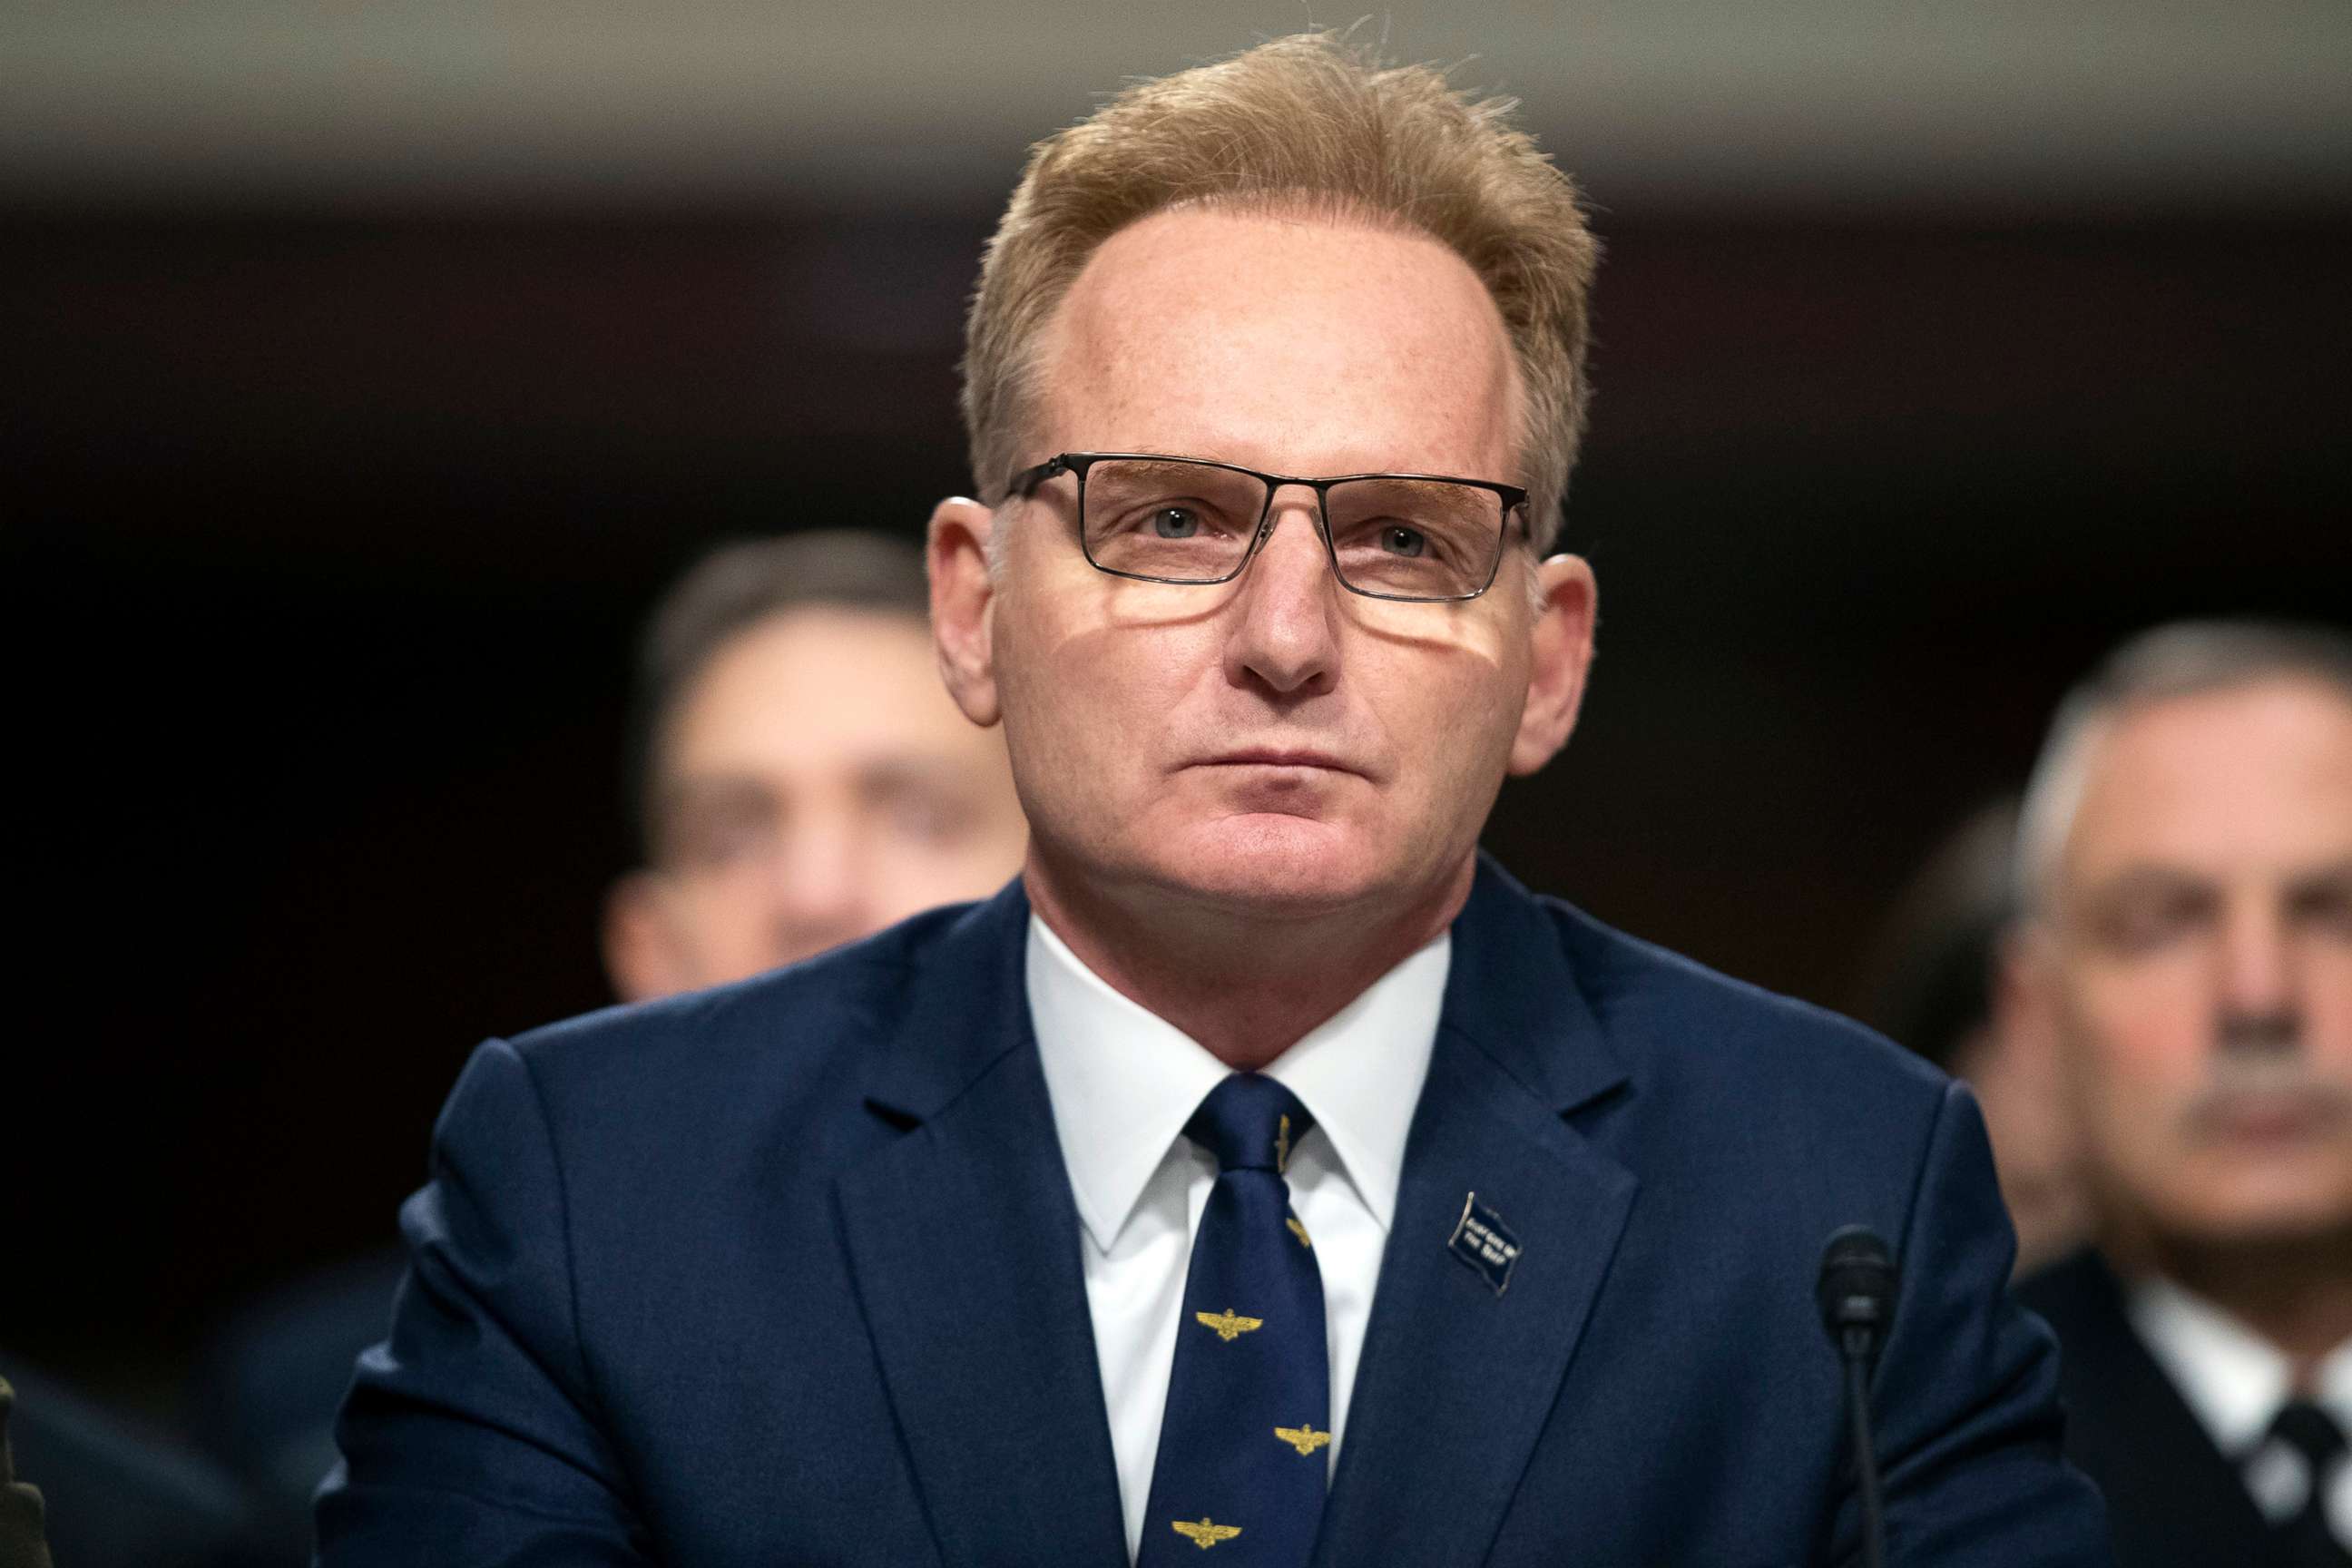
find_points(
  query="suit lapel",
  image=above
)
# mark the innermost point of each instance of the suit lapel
(1457, 1381)
(964, 1243)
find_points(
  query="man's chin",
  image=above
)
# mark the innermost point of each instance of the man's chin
(1271, 863)
(2268, 1212)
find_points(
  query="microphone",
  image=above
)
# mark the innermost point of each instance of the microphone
(1856, 1292)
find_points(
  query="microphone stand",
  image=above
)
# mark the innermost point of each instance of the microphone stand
(1865, 1451)
(1856, 1292)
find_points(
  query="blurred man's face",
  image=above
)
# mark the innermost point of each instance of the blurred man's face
(1276, 743)
(815, 785)
(2198, 965)
(2035, 1147)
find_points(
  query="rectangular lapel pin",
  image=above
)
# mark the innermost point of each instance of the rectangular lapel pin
(1485, 1243)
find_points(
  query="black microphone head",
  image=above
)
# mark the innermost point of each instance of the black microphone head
(1856, 1289)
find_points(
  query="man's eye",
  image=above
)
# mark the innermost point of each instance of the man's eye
(2326, 906)
(718, 842)
(1399, 540)
(1175, 522)
(2145, 924)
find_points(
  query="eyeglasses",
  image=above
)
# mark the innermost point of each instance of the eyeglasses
(1414, 536)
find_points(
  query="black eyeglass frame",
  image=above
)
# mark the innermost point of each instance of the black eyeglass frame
(1514, 498)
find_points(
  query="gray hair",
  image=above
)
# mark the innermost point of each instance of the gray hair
(2185, 659)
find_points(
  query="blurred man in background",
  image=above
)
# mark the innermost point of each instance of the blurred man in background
(799, 777)
(1939, 988)
(798, 774)
(100, 1489)
(2185, 864)
(21, 1545)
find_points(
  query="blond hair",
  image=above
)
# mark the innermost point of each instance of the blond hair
(1306, 120)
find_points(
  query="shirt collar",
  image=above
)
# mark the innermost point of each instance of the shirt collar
(2230, 1376)
(1123, 1081)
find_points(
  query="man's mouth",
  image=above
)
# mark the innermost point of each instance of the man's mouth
(2275, 1116)
(1280, 757)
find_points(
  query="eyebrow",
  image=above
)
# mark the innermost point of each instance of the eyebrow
(2145, 878)
(706, 791)
(2324, 878)
(889, 772)
(2148, 878)
(680, 796)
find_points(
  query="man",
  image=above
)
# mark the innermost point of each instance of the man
(797, 776)
(799, 779)
(2186, 866)
(989, 1240)
(1938, 988)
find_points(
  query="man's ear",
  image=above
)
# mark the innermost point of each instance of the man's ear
(963, 596)
(641, 957)
(1567, 604)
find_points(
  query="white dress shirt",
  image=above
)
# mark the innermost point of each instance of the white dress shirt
(1124, 1081)
(2235, 1382)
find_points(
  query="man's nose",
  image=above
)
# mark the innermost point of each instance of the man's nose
(2256, 983)
(819, 893)
(1285, 633)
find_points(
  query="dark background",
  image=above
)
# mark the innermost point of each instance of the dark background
(327, 528)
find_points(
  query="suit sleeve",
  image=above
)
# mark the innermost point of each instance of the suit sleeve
(470, 1439)
(1966, 1398)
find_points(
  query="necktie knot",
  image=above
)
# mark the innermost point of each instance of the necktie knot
(2289, 1476)
(1249, 1123)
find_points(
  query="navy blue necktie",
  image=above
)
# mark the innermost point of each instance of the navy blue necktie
(1242, 1463)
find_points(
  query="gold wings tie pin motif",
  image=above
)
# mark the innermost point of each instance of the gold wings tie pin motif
(1305, 1439)
(1230, 1325)
(1204, 1534)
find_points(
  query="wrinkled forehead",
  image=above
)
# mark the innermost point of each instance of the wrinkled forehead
(1262, 336)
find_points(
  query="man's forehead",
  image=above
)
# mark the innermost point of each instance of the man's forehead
(1259, 268)
(2243, 777)
(804, 684)
(1288, 318)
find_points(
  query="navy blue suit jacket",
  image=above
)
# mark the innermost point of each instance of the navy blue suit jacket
(789, 1272)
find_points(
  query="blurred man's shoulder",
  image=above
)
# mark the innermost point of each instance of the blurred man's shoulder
(802, 1033)
(2078, 1294)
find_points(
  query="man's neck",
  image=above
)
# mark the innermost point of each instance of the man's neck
(2295, 1293)
(1246, 986)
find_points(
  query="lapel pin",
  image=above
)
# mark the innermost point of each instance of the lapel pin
(1482, 1242)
